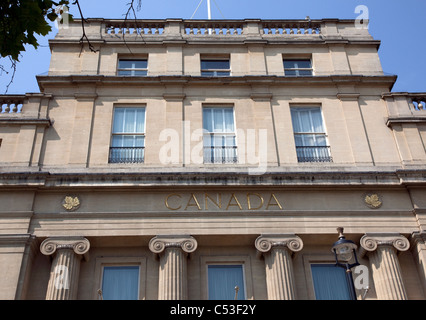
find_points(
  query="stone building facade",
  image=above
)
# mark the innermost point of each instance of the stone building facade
(203, 159)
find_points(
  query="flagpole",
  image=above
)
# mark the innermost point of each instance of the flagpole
(209, 14)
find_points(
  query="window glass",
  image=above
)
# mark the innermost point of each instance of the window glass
(211, 67)
(120, 283)
(133, 64)
(128, 135)
(129, 120)
(330, 282)
(214, 64)
(301, 67)
(132, 67)
(219, 139)
(306, 120)
(309, 135)
(222, 280)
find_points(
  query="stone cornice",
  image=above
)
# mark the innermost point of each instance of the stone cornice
(24, 121)
(400, 120)
(99, 80)
(232, 176)
(15, 239)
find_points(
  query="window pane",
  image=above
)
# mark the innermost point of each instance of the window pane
(228, 114)
(297, 64)
(125, 72)
(307, 120)
(289, 64)
(218, 119)
(129, 120)
(291, 72)
(222, 280)
(218, 125)
(129, 141)
(120, 283)
(303, 64)
(330, 282)
(214, 64)
(132, 64)
(316, 118)
(118, 125)
(305, 72)
(132, 72)
(208, 119)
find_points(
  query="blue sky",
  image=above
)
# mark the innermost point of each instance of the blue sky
(400, 25)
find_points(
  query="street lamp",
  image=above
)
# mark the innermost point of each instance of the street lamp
(343, 251)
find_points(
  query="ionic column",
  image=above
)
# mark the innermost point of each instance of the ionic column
(173, 251)
(64, 274)
(382, 249)
(277, 251)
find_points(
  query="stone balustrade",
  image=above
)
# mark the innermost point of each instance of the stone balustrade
(418, 101)
(133, 27)
(25, 107)
(290, 28)
(11, 104)
(405, 107)
(114, 29)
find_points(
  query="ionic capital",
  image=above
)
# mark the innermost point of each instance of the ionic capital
(371, 241)
(79, 245)
(265, 242)
(159, 243)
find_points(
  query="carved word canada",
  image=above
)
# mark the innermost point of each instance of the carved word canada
(225, 202)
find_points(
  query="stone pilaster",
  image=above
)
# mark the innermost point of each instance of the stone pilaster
(67, 253)
(173, 251)
(277, 250)
(382, 249)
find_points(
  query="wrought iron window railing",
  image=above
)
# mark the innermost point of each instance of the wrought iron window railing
(313, 154)
(220, 154)
(126, 154)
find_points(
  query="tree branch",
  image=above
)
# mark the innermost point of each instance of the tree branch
(13, 68)
(84, 36)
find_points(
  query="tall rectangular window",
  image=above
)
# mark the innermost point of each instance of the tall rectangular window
(309, 135)
(128, 67)
(128, 135)
(215, 67)
(223, 280)
(299, 67)
(330, 282)
(120, 283)
(219, 137)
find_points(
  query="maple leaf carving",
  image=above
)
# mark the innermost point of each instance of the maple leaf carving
(71, 203)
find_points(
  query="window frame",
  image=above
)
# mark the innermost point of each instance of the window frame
(227, 264)
(297, 70)
(323, 134)
(133, 70)
(227, 260)
(102, 262)
(337, 268)
(222, 134)
(134, 134)
(310, 259)
(215, 70)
